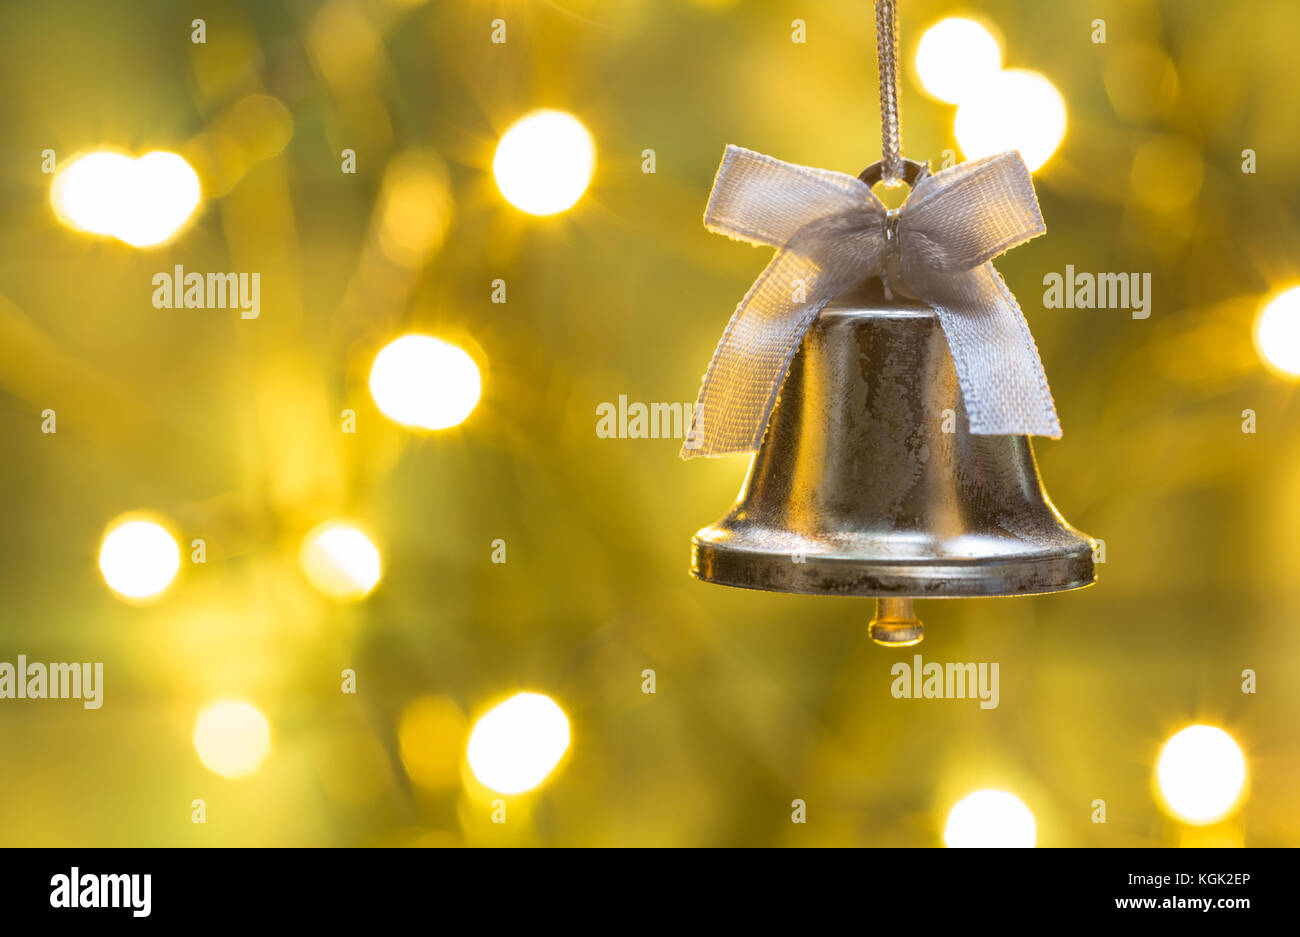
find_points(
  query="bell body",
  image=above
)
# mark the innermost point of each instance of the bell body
(869, 482)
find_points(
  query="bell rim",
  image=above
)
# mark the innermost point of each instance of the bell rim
(976, 577)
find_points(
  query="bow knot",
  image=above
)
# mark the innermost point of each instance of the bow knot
(830, 232)
(891, 227)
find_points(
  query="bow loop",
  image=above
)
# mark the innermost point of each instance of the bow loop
(967, 215)
(765, 201)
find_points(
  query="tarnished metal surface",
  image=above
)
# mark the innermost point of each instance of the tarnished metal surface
(895, 624)
(869, 482)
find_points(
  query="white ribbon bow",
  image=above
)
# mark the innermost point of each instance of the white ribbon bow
(830, 232)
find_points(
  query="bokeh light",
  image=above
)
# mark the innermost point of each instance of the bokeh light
(955, 58)
(138, 558)
(415, 207)
(422, 381)
(1013, 110)
(990, 819)
(1141, 81)
(515, 745)
(142, 202)
(431, 738)
(1168, 172)
(232, 737)
(340, 561)
(1277, 333)
(1201, 774)
(87, 192)
(544, 162)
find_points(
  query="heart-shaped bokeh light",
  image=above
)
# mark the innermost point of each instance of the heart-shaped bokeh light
(142, 201)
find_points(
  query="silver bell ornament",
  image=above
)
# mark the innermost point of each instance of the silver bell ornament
(887, 381)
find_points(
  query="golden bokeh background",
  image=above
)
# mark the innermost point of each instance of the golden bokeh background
(327, 551)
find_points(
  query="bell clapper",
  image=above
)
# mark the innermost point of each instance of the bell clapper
(895, 624)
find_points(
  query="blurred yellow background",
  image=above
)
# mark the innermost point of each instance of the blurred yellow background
(345, 528)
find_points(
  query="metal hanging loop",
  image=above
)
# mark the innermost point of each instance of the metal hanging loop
(912, 171)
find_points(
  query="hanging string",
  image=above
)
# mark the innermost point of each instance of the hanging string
(891, 140)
